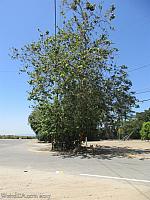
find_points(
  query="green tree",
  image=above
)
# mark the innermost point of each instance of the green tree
(144, 116)
(41, 122)
(145, 131)
(133, 125)
(132, 128)
(75, 74)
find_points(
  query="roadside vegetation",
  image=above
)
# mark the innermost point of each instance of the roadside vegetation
(77, 89)
(137, 127)
(16, 137)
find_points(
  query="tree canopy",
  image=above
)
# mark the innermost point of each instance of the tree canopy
(76, 85)
(134, 125)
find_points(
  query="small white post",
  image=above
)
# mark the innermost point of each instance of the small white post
(86, 141)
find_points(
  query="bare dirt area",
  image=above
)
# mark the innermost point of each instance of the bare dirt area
(118, 148)
(59, 186)
(105, 149)
(132, 144)
(36, 146)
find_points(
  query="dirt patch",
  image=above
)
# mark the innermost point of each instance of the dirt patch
(132, 144)
(115, 148)
(36, 146)
(106, 149)
(59, 186)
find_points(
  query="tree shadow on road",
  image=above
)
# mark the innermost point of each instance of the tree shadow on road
(106, 152)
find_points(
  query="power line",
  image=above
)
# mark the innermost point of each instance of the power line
(55, 5)
(141, 90)
(142, 101)
(138, 68)
(147, 91)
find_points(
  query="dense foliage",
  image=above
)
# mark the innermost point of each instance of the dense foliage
(133, 126)
(41, 123)
(145, 131)
(75, 84)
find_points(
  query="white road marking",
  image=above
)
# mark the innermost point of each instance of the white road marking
(116, 178)
(59, 172)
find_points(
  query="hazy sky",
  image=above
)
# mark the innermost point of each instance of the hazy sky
(19, 21)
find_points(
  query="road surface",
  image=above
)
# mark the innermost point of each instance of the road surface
(17, 154)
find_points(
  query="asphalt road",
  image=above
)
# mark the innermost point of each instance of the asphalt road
(16, 153)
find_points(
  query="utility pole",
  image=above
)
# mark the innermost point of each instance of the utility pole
(55, 29)
(55, 10)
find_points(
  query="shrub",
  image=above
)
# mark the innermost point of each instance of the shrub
(145, 131)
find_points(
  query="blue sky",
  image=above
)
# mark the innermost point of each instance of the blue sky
(19, 21)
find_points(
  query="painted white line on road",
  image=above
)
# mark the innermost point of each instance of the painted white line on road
(116, 178)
